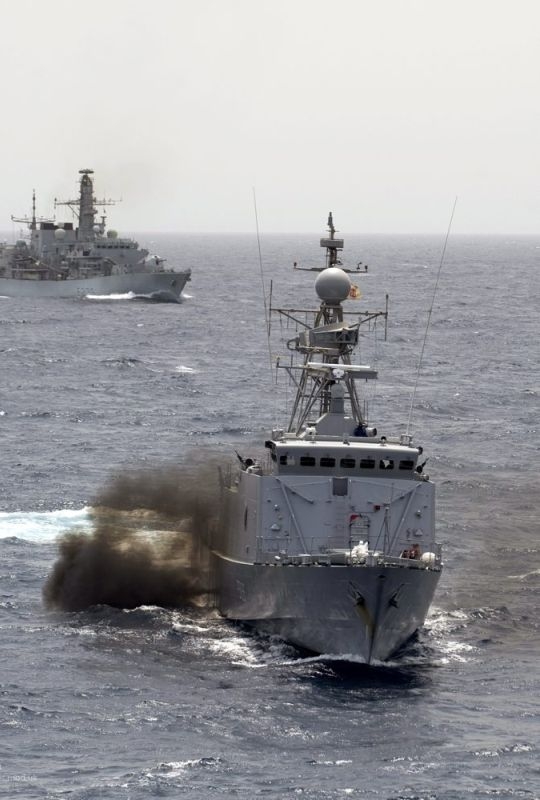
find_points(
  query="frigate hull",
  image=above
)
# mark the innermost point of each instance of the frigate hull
(366, 611)
(159, 286)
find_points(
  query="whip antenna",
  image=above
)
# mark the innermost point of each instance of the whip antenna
(429, 316)
(266, 314)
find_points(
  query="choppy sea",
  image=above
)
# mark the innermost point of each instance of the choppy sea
(171, 702)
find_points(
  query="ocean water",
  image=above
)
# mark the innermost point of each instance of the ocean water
(174, 702)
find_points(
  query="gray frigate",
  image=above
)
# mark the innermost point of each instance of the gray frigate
(63, 259)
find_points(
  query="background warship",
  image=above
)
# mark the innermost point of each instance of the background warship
(59, 259)
(329, 541)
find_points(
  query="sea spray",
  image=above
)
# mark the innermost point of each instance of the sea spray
(148, 544)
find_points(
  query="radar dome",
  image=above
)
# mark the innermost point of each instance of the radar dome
(333, 285)
(59, 233)
(112, 234)
(97, 228)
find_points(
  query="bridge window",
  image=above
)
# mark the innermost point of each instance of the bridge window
(386, 463)
(307, 461)
(348, 463)
(326, 461)
(407, 464)
(367, 463)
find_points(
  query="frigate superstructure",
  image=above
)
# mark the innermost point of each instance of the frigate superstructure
(81, 259)
(329, 540)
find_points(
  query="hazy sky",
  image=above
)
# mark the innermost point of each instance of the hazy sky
(382, 111)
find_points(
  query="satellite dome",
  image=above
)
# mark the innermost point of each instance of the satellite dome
(59, 234)
(333, 285)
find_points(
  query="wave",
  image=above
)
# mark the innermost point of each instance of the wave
(123, 361)
(41, 526)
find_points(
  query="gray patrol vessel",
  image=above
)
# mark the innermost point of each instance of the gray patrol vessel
(329, 541)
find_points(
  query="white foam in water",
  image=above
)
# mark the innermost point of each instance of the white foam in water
(125, 296)
(238, 650)
(441, 625)
(454, 651)
(42, 526)
(184, 370)
(522, 577)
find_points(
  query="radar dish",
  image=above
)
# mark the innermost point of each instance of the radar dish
(333, 285)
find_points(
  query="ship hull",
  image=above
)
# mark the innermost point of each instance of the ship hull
(365, 611)
(158, 286)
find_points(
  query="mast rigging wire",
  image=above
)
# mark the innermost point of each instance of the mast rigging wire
(266, 314)
(429, 317)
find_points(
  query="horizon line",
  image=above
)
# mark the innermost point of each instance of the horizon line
(139, 231)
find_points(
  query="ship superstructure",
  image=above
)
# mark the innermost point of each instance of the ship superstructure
(330, 542)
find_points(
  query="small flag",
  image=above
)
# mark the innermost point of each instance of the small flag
(354, 292)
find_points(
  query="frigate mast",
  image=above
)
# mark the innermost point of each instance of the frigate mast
(84, 207)
(32, 221)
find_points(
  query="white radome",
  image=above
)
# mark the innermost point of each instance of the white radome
(333, 285)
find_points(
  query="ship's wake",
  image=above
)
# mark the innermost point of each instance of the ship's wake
(153, 297)
(147, 544)
(111, 297)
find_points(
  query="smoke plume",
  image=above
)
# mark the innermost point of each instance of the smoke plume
(149, 544)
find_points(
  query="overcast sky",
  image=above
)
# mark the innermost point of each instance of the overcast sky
(383, 111)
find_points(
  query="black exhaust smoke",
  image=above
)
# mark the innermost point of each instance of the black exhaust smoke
(149, 544)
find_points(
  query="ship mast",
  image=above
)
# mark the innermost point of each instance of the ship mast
(332, 244)
(84, 207)
(32, 222)
(327, 345)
